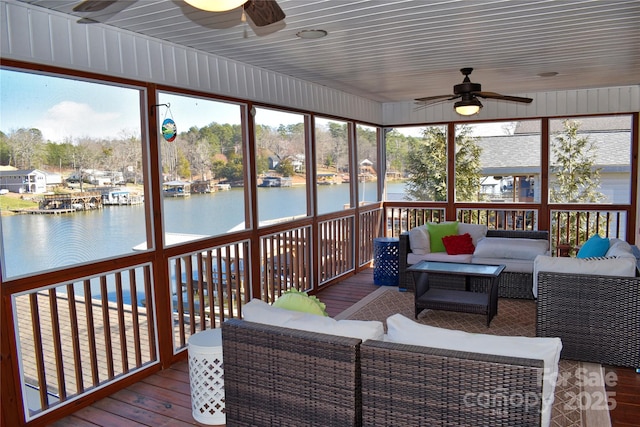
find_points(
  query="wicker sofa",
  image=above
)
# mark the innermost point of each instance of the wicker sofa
(512, 284)
(281, 376)
(597, 316)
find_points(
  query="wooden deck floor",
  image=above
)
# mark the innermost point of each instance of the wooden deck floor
(164, 399)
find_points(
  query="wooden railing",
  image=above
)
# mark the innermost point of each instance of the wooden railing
(336, 237)
(403, 218)
(571, 228)
(285, 259)
(370, 221)
(500, 219)
(72, 339)
(213, 285)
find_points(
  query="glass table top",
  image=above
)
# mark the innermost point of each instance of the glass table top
(457, 268)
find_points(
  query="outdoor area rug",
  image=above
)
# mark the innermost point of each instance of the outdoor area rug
(578, 402)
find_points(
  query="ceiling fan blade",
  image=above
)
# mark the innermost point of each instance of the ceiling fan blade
(493, 95)
(437, 97)
(264, 12)
(93, 5)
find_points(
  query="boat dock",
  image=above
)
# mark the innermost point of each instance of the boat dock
(65, 203)
(43, 211)
(121, 197)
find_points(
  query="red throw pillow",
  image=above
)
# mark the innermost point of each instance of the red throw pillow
(458, 244)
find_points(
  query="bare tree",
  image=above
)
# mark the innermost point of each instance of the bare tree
(26, 145)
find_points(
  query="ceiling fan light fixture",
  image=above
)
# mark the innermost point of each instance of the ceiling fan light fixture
(216, 5)
(468, 107)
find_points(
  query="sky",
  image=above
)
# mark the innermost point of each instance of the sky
(63, 108)
(66, 110)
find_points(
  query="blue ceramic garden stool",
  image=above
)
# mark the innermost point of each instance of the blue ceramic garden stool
(386, 261)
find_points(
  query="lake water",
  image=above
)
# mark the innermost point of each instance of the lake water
(35, 243)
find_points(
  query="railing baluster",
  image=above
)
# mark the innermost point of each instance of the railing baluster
(221, 275)
(202, 302)
(106, 321)
(39, 351)
(151, 322)
(57, 344)
(135, 316)
(180, 301)
(235, 281)
(209, 282)
(75, 340)
(124, 354)
(91, 333)
(188, 273)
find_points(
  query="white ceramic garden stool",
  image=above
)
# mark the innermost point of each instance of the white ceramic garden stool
(206, 376)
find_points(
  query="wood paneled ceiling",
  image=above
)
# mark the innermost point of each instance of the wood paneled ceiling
(398, 50)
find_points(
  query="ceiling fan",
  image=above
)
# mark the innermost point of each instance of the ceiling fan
(261, 12)
(469, 93)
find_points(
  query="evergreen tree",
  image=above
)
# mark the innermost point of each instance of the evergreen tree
(427, 165)
(575, 177)
(285, 167)
(183, 166)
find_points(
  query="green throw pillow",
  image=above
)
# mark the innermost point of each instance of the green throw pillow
(438, 231)
(300, 301)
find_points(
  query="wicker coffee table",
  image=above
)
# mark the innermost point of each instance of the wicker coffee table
(467, 300)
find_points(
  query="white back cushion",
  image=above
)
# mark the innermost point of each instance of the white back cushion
(477, 231)
(619, 248)
(259, 311)
(419, 240)
(512, 248)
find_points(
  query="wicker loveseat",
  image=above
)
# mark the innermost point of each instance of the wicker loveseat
(596, 316)
(512, 284)
(409, 385)
(281, 376)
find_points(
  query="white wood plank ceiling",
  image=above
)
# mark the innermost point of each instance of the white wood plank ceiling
(397, 50)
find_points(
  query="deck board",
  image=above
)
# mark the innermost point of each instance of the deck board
(164, 399)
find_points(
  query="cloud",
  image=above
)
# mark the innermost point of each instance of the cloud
(69, 119)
